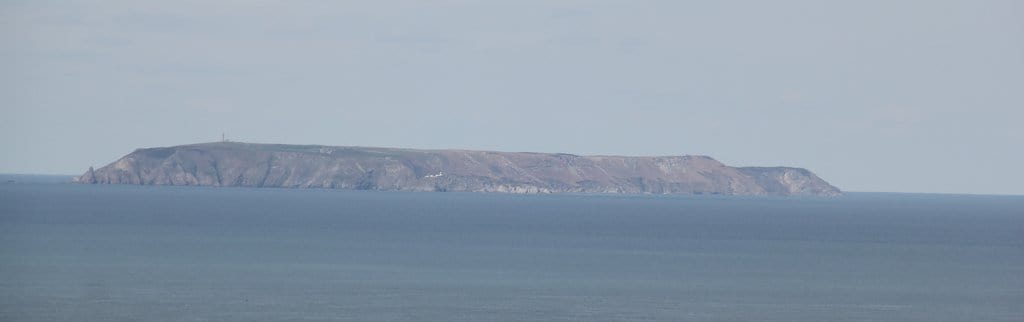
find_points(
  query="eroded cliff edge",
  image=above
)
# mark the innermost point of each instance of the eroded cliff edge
(364, 168)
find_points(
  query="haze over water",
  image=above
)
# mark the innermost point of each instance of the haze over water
(108, 253)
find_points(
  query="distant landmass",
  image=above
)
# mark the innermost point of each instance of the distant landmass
(235, 164)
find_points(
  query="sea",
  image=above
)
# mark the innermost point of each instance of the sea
(72, 252)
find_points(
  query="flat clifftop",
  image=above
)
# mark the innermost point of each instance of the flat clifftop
(233, 164)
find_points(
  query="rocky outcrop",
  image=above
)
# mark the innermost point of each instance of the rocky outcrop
(232, 164)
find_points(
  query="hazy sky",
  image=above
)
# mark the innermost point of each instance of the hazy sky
(918, 96)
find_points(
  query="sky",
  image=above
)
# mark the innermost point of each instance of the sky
(895, 96)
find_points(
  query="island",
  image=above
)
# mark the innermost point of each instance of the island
(237, 164)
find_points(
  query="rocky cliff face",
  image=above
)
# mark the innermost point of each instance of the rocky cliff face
(304, 166)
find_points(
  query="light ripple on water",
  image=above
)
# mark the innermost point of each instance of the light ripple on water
(99, 253)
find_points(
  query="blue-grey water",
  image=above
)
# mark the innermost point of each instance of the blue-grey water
(130, 253)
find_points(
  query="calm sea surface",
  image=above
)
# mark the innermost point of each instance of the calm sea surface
(129, 253)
